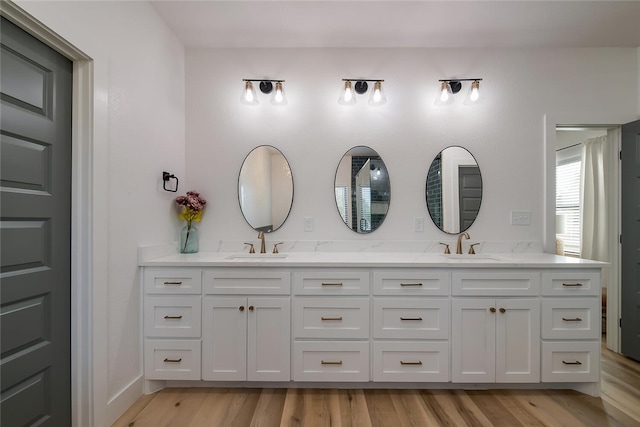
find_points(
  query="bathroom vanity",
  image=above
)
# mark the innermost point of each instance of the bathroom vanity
(367, 319)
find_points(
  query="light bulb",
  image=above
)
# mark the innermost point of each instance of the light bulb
(278, 96)
(444, 92)
(377, 96)
(348, 97)
(249, 94)
(474, 93)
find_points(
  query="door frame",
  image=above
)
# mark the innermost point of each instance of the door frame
(88, 319)
(593, 119)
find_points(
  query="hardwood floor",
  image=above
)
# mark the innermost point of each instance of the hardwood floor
(195, 407)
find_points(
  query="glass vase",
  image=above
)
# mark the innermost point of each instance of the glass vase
(189, 239)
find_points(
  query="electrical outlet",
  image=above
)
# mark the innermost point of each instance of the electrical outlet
(308, 223)
(520, 217)
(418, 224)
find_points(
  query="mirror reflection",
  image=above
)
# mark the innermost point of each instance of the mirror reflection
(454, 190)
(362, 189)
(265, 188)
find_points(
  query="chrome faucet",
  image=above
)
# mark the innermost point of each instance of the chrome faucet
(459, 245)
(263, 249)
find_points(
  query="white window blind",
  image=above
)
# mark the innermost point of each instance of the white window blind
(568, 181)
(365, 209)
(341, 202)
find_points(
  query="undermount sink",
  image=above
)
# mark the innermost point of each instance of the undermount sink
(470, 258)
(257, 257)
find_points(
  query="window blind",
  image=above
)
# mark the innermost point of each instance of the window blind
(568, 181)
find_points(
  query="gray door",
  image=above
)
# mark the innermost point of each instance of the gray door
(470, 194)
(35, 231)
(631, 240)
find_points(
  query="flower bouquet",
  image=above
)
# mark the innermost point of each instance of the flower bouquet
(191, 207)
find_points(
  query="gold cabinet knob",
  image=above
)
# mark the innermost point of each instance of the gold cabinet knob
(492, 309)
(502, 310)
(241, 308)
(250, 308)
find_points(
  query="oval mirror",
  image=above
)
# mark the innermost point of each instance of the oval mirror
(454, 190)
(265, 188)
(362, 189)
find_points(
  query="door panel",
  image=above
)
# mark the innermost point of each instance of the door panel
(35, 231)
(470, 194)
(630, 288)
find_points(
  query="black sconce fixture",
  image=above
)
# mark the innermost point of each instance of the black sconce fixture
(449, 87)
(348, 96)
(266, 86)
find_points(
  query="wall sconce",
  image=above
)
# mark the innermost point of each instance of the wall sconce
(349, 92)
(450, 87)
(266, 86)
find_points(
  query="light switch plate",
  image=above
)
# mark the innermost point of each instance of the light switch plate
(520, 217)
(308, 223)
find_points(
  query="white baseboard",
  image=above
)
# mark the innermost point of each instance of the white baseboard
(124, 399)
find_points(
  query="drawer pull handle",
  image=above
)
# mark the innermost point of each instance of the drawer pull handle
(331, 318)
(173, 360)
(418, 363)
(173, 317)
(331, 284)
(411, 318)
(577, 362)
(172, 283)
(575, 319)
(572, 285)
(331, 362)
(410, 284)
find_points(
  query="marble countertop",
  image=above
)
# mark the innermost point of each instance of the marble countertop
(367, 259)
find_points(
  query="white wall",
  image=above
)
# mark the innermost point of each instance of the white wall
(139, 110)
(505, 132)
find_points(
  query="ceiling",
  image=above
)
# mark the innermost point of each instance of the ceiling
(366, 24)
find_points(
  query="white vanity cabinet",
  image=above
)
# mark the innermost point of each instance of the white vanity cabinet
(172, 323)
(246, 320)
(571, 326)
(331, 319)
(495, 339)
(411, 312)
(311, 322)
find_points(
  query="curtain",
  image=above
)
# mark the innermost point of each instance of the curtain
(595, 203)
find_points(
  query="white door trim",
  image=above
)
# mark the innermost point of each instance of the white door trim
(602, 119)
(84, 393)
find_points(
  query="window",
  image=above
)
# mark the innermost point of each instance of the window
(568, 182)
(341, 202)
(365, 209)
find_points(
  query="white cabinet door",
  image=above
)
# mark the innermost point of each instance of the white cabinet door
(495, 340)
(517, 340)
(224, 338)
(473, 340)
(269, 339)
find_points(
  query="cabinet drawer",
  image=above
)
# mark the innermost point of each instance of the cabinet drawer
(331, 361)
(495, 282)
(411, 361)
(254, 281)
(172, 280)
(571, 361)
(172, 359)
(172, 316)
(331, 318)
(331, 282)
(411, 318)
(411, 282)
(575, 318)
(566, 283)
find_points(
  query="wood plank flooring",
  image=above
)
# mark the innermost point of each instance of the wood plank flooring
(196, 407)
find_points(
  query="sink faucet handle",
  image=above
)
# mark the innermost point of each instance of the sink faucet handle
(275, 247)
(251, 250)
(471, 250)
(446, 248)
